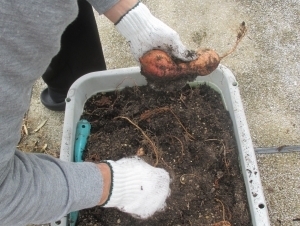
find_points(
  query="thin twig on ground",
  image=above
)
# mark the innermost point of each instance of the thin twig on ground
(24, 129)
(40, 126)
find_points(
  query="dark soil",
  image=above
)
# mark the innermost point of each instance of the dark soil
(195, 143)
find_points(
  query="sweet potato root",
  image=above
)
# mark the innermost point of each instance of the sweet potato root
(157, 64)
(159, 68)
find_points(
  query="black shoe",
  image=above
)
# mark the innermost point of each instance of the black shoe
(54, 102)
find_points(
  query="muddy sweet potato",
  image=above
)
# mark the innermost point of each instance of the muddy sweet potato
(157, 64)
(159, 68)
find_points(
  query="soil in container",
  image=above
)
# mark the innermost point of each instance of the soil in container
(189, 133)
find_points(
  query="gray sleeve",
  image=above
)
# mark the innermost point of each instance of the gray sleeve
(102, 6)
(36, 188)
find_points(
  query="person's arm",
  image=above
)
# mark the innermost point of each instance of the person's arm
(35, 188)
(38, 188)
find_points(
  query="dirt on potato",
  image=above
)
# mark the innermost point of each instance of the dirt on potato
(189, 133)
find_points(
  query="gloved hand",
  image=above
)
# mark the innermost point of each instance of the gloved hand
(145, 32)
(137, 188)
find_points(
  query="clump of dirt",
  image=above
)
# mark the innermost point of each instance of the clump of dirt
(189, 133)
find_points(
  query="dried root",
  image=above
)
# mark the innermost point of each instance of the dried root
(241, 34)
(148, 114)
(223, 222)
(154, 148)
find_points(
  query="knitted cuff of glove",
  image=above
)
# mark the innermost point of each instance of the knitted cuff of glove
(127, 13)
(112, 183)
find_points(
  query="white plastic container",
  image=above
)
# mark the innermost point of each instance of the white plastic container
(222, 80)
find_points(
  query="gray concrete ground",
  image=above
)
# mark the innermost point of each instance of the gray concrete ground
(266, 65)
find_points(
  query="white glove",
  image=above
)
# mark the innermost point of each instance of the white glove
(145, 32)
(137, 188)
